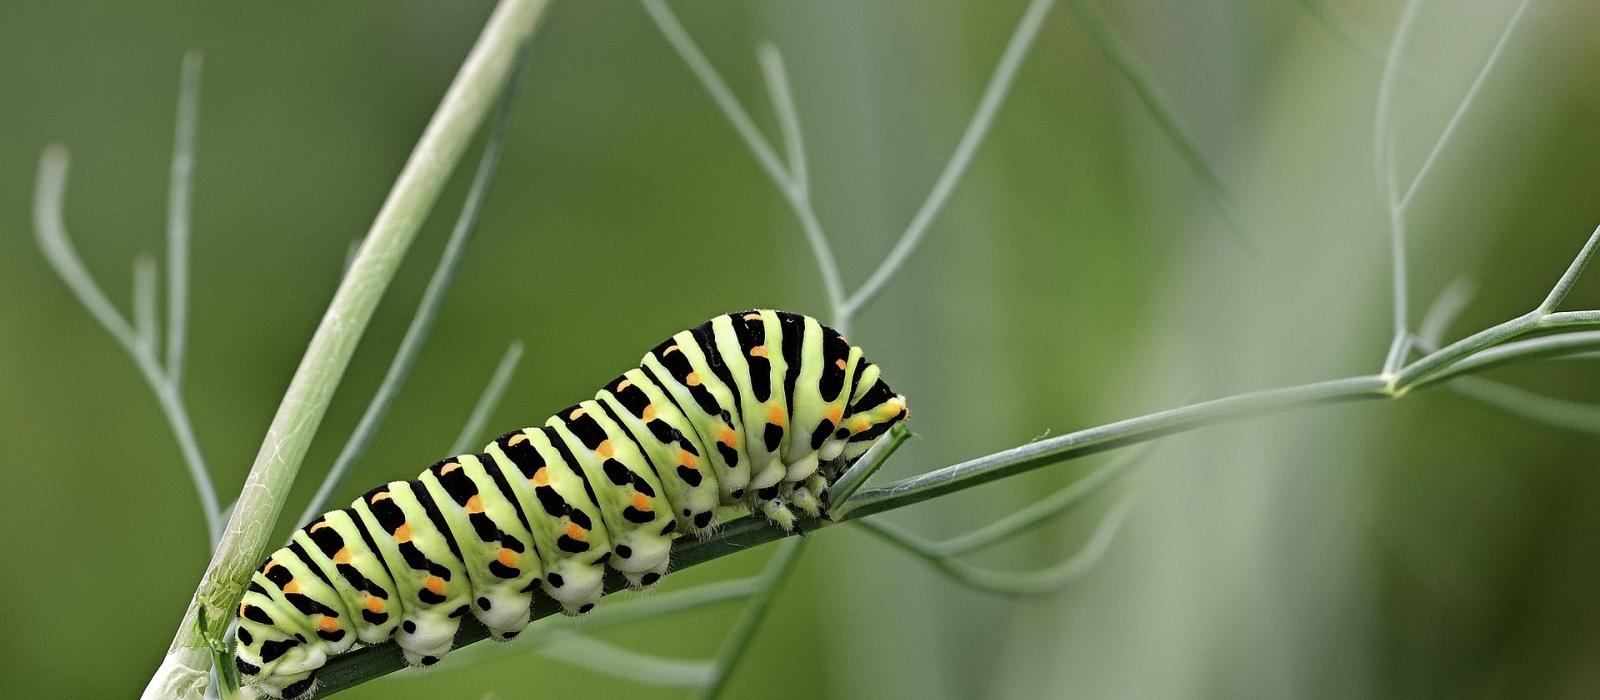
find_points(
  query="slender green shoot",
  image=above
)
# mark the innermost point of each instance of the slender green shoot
(50, 231)
(738, 640)
(488, 400)
(1576, 416)
(1159, 105)
(838, 495)
(796, 192)
(1007, 583)
(799, 186)
(427, 312)
(1063, 501)
(468, 101)
(595, 655)
(1446, 308)
(144, 299)
(1461, 109)
(1384, 160)
(179, 193)
(994, 95)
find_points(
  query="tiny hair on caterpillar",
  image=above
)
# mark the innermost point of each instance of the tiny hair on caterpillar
(759, 409)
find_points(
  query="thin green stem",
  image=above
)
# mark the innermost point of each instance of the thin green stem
(1546, 347)
(1576, 416)
(1563, 286)
(1041, 453)
(488, 400)
(1384, 160)
(427, 312)
(50, 230)
(179, 193)
(796, 191)
(838, 495)
(144, 300)
(1461, 109)
(738, 640)
(1045, 509)
(994, 95)
(1159, 105)
(464, 107)
(1446, 308)
(588, 652)
(1348, 30)
(1011, 583)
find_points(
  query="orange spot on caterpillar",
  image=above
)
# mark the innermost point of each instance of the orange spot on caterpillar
(688, 460)
(641, 502)
(292, 586)
(475, 504)
(576, 532)
(605, 449)
(841, 364)
(693, 379)
(517, 439)
(375, 604)
(327, 624)
(381, 496)
(343, 556)
(541, 477)
(624, 384)
(403, 533)
(446, 469)
(776, 415)
(752, 316)
(507, 557)
(835, 413)
(242, 608)
(576, 414)
(728, 437)
(649, 413)
(670, 349)
(759, 351)
(435, 584)
(318, 525)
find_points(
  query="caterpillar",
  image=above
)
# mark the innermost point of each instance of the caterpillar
(759, 409)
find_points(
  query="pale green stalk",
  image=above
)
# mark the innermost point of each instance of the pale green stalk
(1159, 105)
(179, 193)
(422, 320)
(488, 400)
(994, 95)
(471, 95)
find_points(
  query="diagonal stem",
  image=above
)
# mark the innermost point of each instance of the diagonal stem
(994, 94)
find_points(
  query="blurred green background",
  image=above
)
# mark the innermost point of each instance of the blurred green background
(1430, 547)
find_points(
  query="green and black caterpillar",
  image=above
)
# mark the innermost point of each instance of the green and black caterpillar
(760, 409)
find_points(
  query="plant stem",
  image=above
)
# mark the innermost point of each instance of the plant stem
(738, 640)
(480, 80)
(421, 326)
(178, 195)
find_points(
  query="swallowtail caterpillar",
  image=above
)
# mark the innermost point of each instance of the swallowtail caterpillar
(761, 409)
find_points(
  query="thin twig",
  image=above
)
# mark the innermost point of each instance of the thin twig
(799, 183)
(839, 493)
(50, 230)
(488, 400)
(179, 194)
(796, 192)
(1466, 101)
(1383, 159)
(1159, 105)
(464, 107)
(1051, 579)
(421, 326)
(588, 652)
(738, 640)
(144, 300)
(1444, 311)
(994, 94)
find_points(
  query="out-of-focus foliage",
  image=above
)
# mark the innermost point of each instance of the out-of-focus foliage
(1079, 274)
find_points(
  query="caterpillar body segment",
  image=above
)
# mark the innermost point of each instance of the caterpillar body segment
(757, 410)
